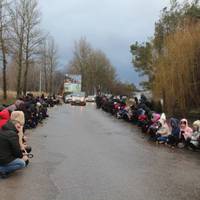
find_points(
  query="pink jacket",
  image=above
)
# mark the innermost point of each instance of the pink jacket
(187, 130)
(155, 117)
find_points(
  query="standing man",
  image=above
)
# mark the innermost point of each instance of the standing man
(11, 157)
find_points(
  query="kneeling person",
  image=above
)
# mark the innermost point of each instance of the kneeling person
(11, 157)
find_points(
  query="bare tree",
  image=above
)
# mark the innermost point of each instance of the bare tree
(52, 62)
(33, 37)
(94, 67)
(48, 65)
(59, 76)
(18, 25)
(44, 63)
(28, 51)
(4, 21)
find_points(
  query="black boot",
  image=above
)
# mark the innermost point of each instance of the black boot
(4, 175)
(27, 162)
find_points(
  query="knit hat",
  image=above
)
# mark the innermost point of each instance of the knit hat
(17, 116)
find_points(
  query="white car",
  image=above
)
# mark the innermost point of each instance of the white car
(78, 99)
(68, 98)
(90, 98)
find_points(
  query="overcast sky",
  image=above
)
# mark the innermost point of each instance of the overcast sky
(109, 25)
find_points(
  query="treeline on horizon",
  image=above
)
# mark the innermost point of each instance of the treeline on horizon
(98, 74)
(171, 58)
(28, 55)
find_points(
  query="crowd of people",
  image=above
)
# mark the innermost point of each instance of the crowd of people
(26, 113)
(171, 132)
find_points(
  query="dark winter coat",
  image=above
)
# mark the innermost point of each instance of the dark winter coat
(9, 144)
(175, 127)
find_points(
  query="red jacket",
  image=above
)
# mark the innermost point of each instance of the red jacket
(4, 117)
(142, 118)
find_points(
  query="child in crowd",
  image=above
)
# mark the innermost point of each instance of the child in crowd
(173, 139)
(185, 133)
(195, 138)
(164, 132)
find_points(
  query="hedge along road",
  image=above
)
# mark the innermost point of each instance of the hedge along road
(85, 154)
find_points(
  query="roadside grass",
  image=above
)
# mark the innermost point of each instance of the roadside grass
(12, 97)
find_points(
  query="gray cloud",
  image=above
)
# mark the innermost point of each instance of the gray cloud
(109, 25)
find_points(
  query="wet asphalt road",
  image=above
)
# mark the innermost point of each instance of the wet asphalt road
(85, 154)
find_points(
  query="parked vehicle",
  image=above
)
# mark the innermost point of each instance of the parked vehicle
(68, 98)
(78, 99)
(91, 98)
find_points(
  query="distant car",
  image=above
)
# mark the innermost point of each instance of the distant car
(68, 98)
(78, 99)
(90, 98)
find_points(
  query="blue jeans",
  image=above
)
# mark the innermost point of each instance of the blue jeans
(12, 166)
(162, 138)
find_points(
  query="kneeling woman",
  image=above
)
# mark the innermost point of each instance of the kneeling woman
(11, 157)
